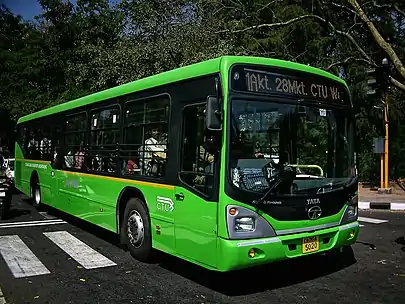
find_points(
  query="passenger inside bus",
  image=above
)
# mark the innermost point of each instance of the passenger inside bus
(154, 154)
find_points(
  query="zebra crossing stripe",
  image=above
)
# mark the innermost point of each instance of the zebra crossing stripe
(79, 251)
(21, 261)
(371, 220)
(47, 216)
(2, 299)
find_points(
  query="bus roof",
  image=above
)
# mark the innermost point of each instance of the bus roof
(194, 70)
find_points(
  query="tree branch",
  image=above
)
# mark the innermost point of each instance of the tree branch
(297, 19)
(270, 25)
(353, 41)
(381, 5)
(399, 10)
(343, 7)
(389, 6)
(367, 59)
(379, 39)
(398, 84)
(351, 58)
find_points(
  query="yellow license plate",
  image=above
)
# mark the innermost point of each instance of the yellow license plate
(310, 244)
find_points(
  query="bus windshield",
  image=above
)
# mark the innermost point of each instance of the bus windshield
(313, 141)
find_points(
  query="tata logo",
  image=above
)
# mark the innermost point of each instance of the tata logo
(313, 201)
(314, 212)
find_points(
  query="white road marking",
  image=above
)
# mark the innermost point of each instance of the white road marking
(2, 299)
(81, 252)
(364, 205)
(361, 225)
(19, 258)
(397, 206)
(371, 220)
(31, 223)
(48, 216)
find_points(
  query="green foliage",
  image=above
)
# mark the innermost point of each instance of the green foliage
(73, 50)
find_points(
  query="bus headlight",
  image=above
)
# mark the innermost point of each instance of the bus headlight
(351, 213)
(243, 223)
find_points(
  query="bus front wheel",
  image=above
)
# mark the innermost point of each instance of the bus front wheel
(135, 230)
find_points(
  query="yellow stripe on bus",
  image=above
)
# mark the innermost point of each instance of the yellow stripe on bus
(130, 181)
(34, 161)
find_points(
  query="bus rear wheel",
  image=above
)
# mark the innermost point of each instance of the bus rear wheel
(36, 195)
(135, 230)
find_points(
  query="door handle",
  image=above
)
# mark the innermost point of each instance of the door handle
(179, 196)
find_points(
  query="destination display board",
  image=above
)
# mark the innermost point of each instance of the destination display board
(287, 82)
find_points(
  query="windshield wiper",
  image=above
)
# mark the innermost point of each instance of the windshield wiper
(351, 182)
(276, 182)
(285, 174)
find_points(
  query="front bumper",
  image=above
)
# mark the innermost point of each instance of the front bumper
(234, 254)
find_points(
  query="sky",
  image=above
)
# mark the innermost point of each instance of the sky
(26, 8)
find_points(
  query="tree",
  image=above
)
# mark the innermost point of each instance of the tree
(370, 24)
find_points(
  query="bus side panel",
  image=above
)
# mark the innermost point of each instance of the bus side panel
(94, 198)
(91, 198)
(44, 171)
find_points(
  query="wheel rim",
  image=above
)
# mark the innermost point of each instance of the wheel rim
(135, 229)
(37, 196)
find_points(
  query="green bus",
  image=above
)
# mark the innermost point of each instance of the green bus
(228, 163)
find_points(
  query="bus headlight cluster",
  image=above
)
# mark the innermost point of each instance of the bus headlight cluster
(243, 223)
(351, 212)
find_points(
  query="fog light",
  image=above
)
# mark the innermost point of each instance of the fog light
(351, 234)
(252, 253)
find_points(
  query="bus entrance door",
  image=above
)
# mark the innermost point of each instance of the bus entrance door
(195, 226)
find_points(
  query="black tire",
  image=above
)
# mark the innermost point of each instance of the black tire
(139, 247)
(5, 208)
(3, 213)
(36, 195)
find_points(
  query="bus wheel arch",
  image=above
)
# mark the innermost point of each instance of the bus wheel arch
(126, 194)
(134, 225)
(35, 189)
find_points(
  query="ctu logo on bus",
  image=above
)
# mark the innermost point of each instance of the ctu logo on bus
(313, 201)
(164, 204)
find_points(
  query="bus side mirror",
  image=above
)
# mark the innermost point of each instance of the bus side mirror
(213, 114)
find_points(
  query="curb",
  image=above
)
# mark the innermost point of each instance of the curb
(382, 205)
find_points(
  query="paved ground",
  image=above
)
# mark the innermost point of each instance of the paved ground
(69, 271)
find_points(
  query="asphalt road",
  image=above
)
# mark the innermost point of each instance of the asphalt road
(53, 249)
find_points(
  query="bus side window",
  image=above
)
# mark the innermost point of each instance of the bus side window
(104, 136)
(197, 167)
(33, 142)
(75, 141)
(45, 144)
(144, 150)
(22, 139)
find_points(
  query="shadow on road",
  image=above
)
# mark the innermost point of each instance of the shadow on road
(401, 241)
(371, 246)
(99, 232)
(17, 213)
(240, 282)
(261, 278)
